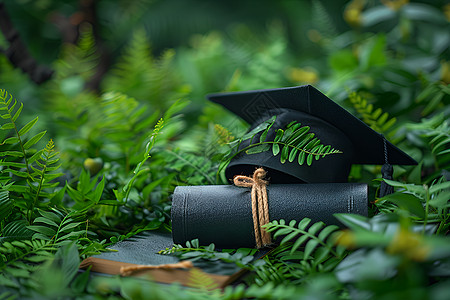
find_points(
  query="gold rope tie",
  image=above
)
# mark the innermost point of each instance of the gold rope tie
(184, 264)
(260, 205)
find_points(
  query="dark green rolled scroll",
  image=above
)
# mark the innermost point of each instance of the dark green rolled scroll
(222, 214)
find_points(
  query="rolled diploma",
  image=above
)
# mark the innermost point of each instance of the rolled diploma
(222, 214)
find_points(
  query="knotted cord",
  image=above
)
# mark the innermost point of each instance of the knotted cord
(260, 205)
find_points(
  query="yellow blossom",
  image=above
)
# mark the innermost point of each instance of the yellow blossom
(303, 75)
(409, 244)
(352, 13)
(394, 4)
(346, 238)
(445, 72)
(314, 35)
(446, 10)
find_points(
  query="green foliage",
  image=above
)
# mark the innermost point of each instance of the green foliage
(425, 204)
(35, 168)
(200, 280)
(435, 96)
(311, 236)
(265, 68)
(21, 149)
(77, 62)
(193, 251)
(294, 142)
(391, 66)
(431, 135)
(138, 74)
(376, 119)
(305, 249)
(57, 227)
(391, 254)
(14, 255)
(6, 205)
(193, 169)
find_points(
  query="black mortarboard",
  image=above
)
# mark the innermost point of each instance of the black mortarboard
(331, 123)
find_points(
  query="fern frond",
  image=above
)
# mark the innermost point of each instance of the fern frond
(44, 172)
(201, 280)
(192, 169)
(305, 248)
(312, 237)
(440, 139)
(242, 257)
(80, 59)
(224, 135)
(6, 205)
(118, 110)
(16, 230)
(435, 95)
(56, 227)
(33, 251)
(375, 118)
(133, 66)
(436, 133)
(19, 159)
(20, 259)
(295, 141)
(322, 20)
(140, 75)
(8, 104)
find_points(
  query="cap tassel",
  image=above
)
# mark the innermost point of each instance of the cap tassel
(387, 171)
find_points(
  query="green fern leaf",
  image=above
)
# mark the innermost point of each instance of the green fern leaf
(18, 251)
(17, 113)
(6, 205)
(294, 140)
(301, 158)
(310, 247)
(201, 280)
(32, 141)
(55, 226)
(11, 140)
(11, 153)
(377, 120)
(311, 235)
(28, 126)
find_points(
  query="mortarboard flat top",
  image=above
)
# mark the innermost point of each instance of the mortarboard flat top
(310, 104)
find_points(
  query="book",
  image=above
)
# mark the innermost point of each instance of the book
(143, 250)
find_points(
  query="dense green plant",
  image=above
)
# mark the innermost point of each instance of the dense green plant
(108, 167)
(305, 249)
(376, 119)
(39, 218)
(394, 255)
(33, 168)
(425, 204)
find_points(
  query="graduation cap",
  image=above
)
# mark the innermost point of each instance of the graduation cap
(331, 123)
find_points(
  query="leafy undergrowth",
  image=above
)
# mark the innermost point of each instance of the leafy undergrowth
(102, 166)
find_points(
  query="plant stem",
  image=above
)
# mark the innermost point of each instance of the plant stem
(427, 206)
(273, 142)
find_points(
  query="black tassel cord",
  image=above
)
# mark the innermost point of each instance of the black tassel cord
(386, 171)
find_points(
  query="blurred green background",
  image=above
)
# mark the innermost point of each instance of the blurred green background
(393, 53)
(100, 74)
(335, 45)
